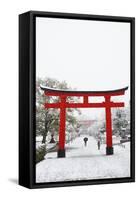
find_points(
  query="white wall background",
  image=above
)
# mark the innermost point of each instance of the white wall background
(9, 11)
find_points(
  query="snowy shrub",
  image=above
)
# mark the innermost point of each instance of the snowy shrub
(40, 153)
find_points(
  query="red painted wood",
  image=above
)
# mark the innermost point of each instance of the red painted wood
(56, 93)
(108, 127)
(108, 122)
(62, 128)
(62, 125)
(84, 105)
(85, 99)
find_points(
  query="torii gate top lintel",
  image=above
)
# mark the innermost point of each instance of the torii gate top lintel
(61, 92)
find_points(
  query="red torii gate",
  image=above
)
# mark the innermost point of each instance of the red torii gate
(63, 104)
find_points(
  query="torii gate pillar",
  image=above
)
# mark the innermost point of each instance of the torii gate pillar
(62, 127)
(109, 148)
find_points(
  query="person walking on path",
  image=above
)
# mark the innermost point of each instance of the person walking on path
(98, 143)
(85, 141)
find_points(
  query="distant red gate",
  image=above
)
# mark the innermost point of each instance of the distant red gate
(63, 104)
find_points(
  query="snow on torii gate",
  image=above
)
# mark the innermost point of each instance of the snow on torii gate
(63, 104)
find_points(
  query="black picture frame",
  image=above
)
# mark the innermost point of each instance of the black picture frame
(27, 54)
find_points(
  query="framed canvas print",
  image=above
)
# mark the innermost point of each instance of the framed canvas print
(76, 99)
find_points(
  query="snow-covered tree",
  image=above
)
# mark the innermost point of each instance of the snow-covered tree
(47, 120)
(120, 121)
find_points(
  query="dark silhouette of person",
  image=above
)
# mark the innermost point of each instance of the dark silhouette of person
(98, 144)
(85, 141)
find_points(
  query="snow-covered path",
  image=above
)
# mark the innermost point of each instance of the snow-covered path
(83, 163)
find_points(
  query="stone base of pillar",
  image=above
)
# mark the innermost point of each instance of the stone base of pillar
(109, 151)
(61, 153)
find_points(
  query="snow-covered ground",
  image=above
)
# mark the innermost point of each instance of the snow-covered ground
(83, 163)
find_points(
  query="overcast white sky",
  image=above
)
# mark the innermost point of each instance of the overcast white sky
(88, 55)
